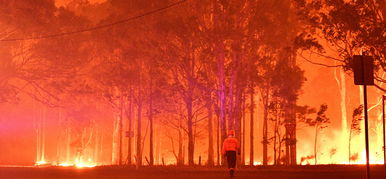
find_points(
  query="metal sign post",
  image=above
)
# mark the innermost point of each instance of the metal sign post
(383, 119)
(366, 132)
(364, 75)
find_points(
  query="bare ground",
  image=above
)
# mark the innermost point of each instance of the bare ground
(170, 172)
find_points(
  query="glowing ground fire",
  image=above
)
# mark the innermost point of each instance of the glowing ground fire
(66, 164)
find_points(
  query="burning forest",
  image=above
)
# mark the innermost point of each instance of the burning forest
(90, 83)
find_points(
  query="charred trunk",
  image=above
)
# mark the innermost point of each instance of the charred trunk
(129, 114)
(252, 111)
(151, 146)
(265, 126)
(139, 129)
(190, 131)
(210, 134)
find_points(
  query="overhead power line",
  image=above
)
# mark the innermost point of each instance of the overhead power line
(95, 27)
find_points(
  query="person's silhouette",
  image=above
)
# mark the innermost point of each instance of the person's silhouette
(229, 150)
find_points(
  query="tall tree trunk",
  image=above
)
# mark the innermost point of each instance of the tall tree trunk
(180, 160)
(252, 110)
(275, 159)
(220, 58)
(40, 154)
(292, 134)
(59, 145)
(243, 130)
(315, 143)
(349, 146)
(238, 118)
(151, 146)
(129, 114)
(341, 82)
(279, 155)
(265, 126)
(44, 116)
(189, 106)
(287, 147)
(231, 103)
(139, 129)
(120, 131)
(221, 91)
(210, 133)
(219, 52)
(37, 119)
(237, 107)
(158, 148)
(237, 88)
(115, 142)
(96, 144)
(218, 142)
(68, 144)
(290, 130)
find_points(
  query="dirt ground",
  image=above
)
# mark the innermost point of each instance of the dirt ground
(298, 172)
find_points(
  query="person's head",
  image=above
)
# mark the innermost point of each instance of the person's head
(231, 133)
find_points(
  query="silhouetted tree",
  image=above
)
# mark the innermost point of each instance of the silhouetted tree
(320, 122)
(363, 32)
(355, 126)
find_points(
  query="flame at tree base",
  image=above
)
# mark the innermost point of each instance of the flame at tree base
(77, 164)
(42, 163)
(375, 158)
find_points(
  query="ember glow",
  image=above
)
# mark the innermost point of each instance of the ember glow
(39, 163)
(112, 82)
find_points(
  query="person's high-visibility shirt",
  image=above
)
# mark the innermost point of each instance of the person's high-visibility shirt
(230, 144)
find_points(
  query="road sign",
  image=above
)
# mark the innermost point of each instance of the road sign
(363, 68)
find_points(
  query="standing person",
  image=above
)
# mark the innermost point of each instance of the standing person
(229, 149)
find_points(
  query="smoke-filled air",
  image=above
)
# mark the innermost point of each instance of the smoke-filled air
(161, 83)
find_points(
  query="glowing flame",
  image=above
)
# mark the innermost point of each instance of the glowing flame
(357, 158)
(77, 164)
(65, 164)
(83, 165)
(39, 163)
(256, 163)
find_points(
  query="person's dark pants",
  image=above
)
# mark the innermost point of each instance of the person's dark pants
(231, 158)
